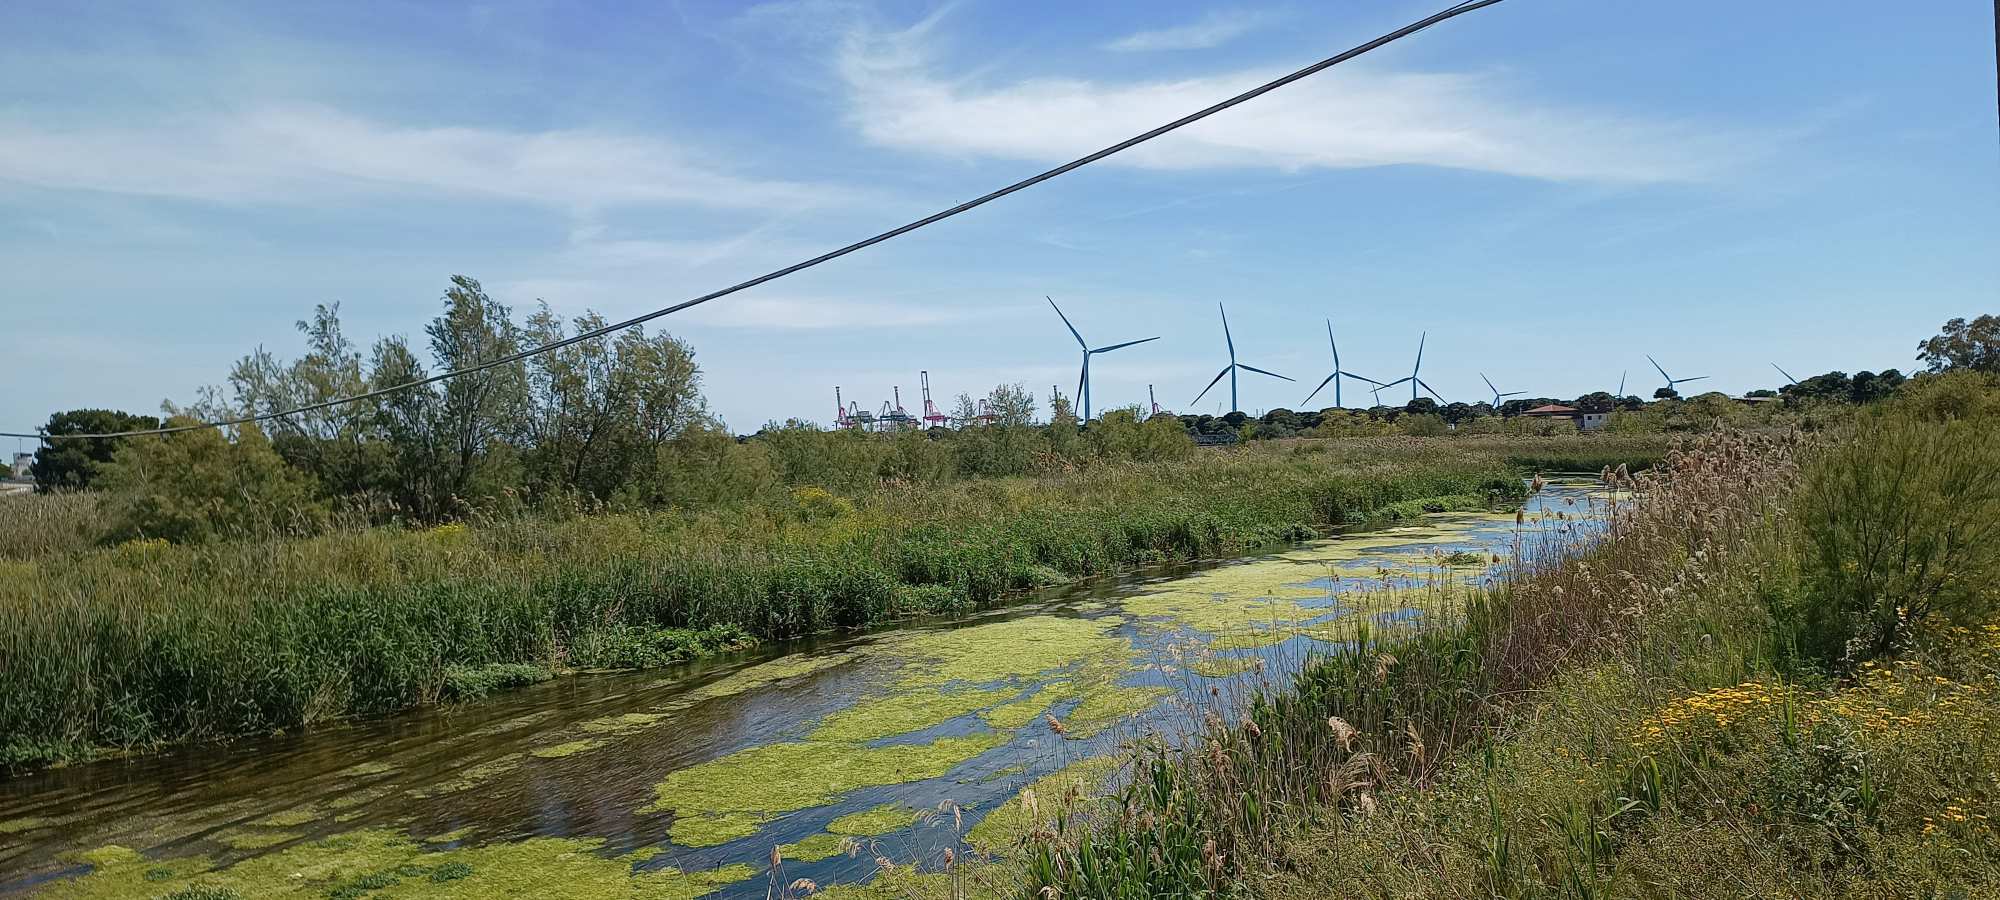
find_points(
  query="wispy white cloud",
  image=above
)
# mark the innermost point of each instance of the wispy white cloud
(302, 154)
(1355, 116)
(1213, 30)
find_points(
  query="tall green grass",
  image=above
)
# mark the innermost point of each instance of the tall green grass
(147, 642)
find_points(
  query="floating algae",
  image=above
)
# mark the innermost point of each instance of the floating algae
(566, 749)
(904, 713)
(814, 848)
(729, 798)
(624, 724)
(363, 770)
(471, 777)
(1106, 704)
(871, 822)
(1210, 665)
(1030, 708)
(24, 823)
(1016, 648)
(761, 675)
(383, 863)
(1254, 594)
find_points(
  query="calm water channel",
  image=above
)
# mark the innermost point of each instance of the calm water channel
(692, 776)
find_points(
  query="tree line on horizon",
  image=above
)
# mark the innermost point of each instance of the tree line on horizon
(621, 420)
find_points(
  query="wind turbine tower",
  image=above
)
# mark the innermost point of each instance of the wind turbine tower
(1230, 370)
(1338, 374)
(1671, 380)
(1415, 381)
(1497, 393)
(1083, 380)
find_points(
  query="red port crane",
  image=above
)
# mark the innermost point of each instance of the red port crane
(932, 418)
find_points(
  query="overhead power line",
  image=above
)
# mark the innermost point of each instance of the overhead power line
(1065, 168)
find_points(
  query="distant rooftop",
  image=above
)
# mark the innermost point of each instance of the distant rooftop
(1552, 409)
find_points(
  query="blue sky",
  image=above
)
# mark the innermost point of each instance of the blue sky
(1551, 188)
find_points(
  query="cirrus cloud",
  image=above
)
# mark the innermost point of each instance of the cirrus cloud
(1355, 116)
(293, 154)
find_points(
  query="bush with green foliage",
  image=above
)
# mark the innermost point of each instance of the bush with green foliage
(1902, 524)
(200, 485)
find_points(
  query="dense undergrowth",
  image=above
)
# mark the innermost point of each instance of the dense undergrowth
(1779, 676)
(148, 642)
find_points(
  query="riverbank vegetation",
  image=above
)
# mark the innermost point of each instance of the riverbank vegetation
(1779, 676)
(148, 641)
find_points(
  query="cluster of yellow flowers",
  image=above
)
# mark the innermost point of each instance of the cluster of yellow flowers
(1884, 701)
(1709, 710)
(1956, 815)
(448, 529)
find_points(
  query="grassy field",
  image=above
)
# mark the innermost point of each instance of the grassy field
(1779, 677)
(147, 642)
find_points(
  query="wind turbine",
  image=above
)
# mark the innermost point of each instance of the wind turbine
(1083, 380)
(1230, 370)
(1414, 381)
(1496, 391)
(1621, 382)
(1788, 375)
(1671, 380)
(1337, 373)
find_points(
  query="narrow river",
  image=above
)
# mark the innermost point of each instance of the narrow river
(681, 783)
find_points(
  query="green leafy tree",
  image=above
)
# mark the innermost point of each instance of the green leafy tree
(1012, 404)
(1596, 402)
(476, 411)
(200, 485)
(1422, 424)
(73, 464)
(1870, 387)
(333, 444)
(1832, 386)
(1007, 448)
(596, 411)
(706, 466)
(1973, 345)
(407, 420)
(964, 410)
(1064, 440)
